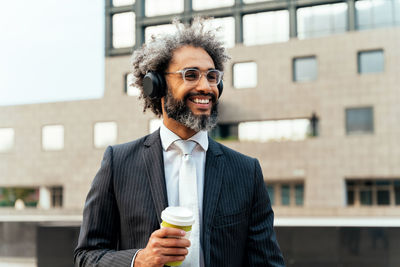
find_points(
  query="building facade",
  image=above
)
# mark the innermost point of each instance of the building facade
(312, 91)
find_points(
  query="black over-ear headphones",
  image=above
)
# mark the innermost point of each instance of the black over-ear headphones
(155, 86)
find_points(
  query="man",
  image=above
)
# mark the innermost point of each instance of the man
(180, 77)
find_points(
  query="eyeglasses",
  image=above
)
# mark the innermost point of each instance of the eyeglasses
(192, 76)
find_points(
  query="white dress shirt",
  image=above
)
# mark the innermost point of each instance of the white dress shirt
(172, 162)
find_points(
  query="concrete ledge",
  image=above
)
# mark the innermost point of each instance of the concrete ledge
(337, 222)
(17, 262)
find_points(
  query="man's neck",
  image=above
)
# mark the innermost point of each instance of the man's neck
(179, 129)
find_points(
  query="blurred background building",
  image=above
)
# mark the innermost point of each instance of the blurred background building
(312, 91)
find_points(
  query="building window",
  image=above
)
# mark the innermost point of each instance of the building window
(286, 193)
(122, 2)
(275, 130)
(370, 61)
(154, 124)
(373, 192)
(299, 194)
(130, 88)
(245, 75)
(53, 137)
(225, 132)
(207, 4)
(105, 134)
(271, 193)
(7, 136)
(226, 32)
(158, 30)
(123, 30)
(322, 20)
(162, 7)
(266, 27)
(397, 192)
(27, 196)
(305, 69)
(254, 1)
(56, 196)
(377, 13)
(359, 120)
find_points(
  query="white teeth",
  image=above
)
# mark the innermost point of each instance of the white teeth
(201, 101)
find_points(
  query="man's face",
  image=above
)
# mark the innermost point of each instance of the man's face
(193, 105)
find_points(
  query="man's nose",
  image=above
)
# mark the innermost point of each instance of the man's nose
(204, 86)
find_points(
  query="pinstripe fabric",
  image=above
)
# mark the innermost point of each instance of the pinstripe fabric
(128, 193)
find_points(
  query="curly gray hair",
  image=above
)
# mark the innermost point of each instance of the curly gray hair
(156, 54)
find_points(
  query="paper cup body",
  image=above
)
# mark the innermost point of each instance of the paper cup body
(177, 217)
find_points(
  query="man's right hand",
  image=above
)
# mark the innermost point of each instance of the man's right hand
(164, 246)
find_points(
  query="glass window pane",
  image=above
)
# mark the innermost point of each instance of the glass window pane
(285, 195)
(299, 194)
(123, 30)
(27, 196)
(370, 61)
(105, 134)
(271, 193)
(53, 137)
(363, 15)
(162, 7)
(274, 130)
(207, 4)
(154, 124)
(350, 197)
(130, 88)
(359, 120)
(321, 20)
(122, 2)
(7, 136)
(382, 13)
(226, 32)
(266, 27)
(255, 1)
(245, 75)
(397, 193)
(56, 196)
(383, 197)
(397, 12)
(305, 69)
(366, 197)
(226, 131)
(158, 30)
(376, 13)
(384, 183)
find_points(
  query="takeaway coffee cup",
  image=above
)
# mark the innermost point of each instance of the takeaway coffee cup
(177, 217)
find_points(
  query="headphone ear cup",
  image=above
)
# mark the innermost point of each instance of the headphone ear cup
(220, 87)
(154, 85)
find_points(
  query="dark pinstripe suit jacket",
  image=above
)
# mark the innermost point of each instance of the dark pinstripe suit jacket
(127, 196)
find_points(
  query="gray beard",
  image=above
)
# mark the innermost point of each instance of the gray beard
(180, 112)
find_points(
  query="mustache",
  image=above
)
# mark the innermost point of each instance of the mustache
(191, 94)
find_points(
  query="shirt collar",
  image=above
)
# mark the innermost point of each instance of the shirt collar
(168, 137)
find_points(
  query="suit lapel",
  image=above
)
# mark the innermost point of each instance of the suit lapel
(214, 173)
(153, 159)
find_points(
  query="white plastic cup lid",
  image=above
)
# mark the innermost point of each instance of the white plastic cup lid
(179, 216)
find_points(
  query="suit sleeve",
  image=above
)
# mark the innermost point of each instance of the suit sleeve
(100, 230)
(262, 246)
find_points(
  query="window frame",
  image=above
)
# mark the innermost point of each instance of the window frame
(294, 59)
(94, 132)
(359, 54)
(41, 139)
(358, 133)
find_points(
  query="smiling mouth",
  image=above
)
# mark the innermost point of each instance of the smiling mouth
(200, 100)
